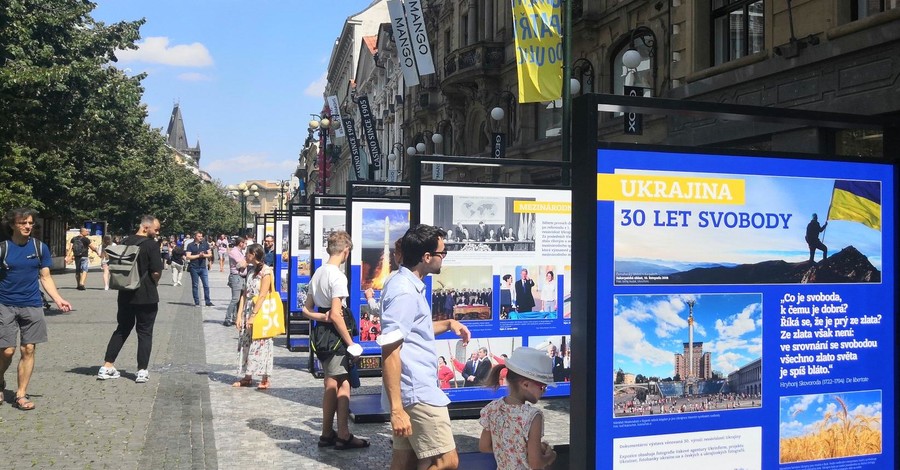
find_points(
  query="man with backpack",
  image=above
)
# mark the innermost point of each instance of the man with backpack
(24, 266)
(80, 246)
(137, 308)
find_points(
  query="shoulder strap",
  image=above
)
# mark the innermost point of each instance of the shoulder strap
(38, 248)
(3, 249)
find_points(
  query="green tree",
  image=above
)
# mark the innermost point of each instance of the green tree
(620, 377)
(73, 139)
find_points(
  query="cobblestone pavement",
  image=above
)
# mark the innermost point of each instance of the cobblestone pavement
(187, 415)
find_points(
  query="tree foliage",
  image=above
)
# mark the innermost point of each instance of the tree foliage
(74, 142)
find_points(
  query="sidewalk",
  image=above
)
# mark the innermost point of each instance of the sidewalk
(188, 415)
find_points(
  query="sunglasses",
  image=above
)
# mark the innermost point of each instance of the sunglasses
(442, 254)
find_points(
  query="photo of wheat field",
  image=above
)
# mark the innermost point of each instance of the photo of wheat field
(830, 425)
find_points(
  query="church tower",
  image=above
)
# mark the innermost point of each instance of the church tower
(176, 137)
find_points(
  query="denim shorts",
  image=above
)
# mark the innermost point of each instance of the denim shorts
(27, 321)
(82, 265)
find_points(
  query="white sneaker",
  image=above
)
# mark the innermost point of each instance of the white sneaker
(107, 373)
(142, 376)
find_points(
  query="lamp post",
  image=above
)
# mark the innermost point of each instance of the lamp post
(242, 192)
(282, 184)
(395, 159)
(498, 114)
(631, 60)
(322, 123)
(583, 71)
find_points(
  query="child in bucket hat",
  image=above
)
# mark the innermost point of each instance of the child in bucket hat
(513, 429)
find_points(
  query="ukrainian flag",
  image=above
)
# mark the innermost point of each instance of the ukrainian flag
(857, 201)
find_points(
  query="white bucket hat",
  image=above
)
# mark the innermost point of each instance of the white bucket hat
(532, 364)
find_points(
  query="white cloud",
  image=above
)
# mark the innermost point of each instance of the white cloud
(629, 341)
(194, 77)
(804, 403)
(730, 362)
(316, 89)
(740, 323)
(156, 50)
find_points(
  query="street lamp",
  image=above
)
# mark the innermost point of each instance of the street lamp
(242, 192)
(583, 70)
(632, 58)
(394, 161)
(322, 123)
(282, 184)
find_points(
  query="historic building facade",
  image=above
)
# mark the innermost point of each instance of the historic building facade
(820, 55)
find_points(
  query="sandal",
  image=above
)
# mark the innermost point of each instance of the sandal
(350, 443)
(2, 390)
(26, 406)
(328, 441)
(264, 385)
(245, 382)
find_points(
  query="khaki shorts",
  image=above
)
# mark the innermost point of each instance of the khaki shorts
(334, 366)
(431, 431)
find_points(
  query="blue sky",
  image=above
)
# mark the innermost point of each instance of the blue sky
(247, 74)
(800, 415)
(649, 329)
(797, 197)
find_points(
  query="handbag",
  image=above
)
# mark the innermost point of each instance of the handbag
(269, 321)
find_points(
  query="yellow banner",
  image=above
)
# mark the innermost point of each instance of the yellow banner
(682, 189)
(542, 207)
(539, 51)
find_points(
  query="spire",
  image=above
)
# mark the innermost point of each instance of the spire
(176, 137)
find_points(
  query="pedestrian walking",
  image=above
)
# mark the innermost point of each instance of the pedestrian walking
(325, 304)
(24, 267)
(513, 429)
(255, 356)
(165, 251)
(79, 250)
(420, 419)
(222, 249)
(104, 259)
(137, 308)
(237, 271)
(176, 260)
(198, 254)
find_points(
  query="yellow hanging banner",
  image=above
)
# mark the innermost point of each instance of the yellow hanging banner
(539, 51)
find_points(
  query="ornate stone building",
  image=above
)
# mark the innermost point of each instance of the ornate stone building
(820, 55)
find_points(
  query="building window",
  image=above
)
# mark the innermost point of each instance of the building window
(738, 29)
(549, 119)
(860, 9)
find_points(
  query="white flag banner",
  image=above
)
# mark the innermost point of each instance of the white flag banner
(419, 35)
(336, 123)
(405, 53)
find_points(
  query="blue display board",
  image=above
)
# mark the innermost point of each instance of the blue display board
(374, 227)
(506, 277)
(725, 336)
(300, 268)
(282, 234)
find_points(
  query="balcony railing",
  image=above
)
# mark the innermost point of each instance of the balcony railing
(483, 56)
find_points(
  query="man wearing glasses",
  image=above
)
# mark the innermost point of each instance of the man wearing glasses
(24, 267)
(269, 250)
(419, 416)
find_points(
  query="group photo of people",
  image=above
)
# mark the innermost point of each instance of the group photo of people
(462, 293)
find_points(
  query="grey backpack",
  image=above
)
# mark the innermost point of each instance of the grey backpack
(123, 266)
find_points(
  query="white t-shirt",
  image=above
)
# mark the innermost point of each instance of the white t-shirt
(327, 283)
